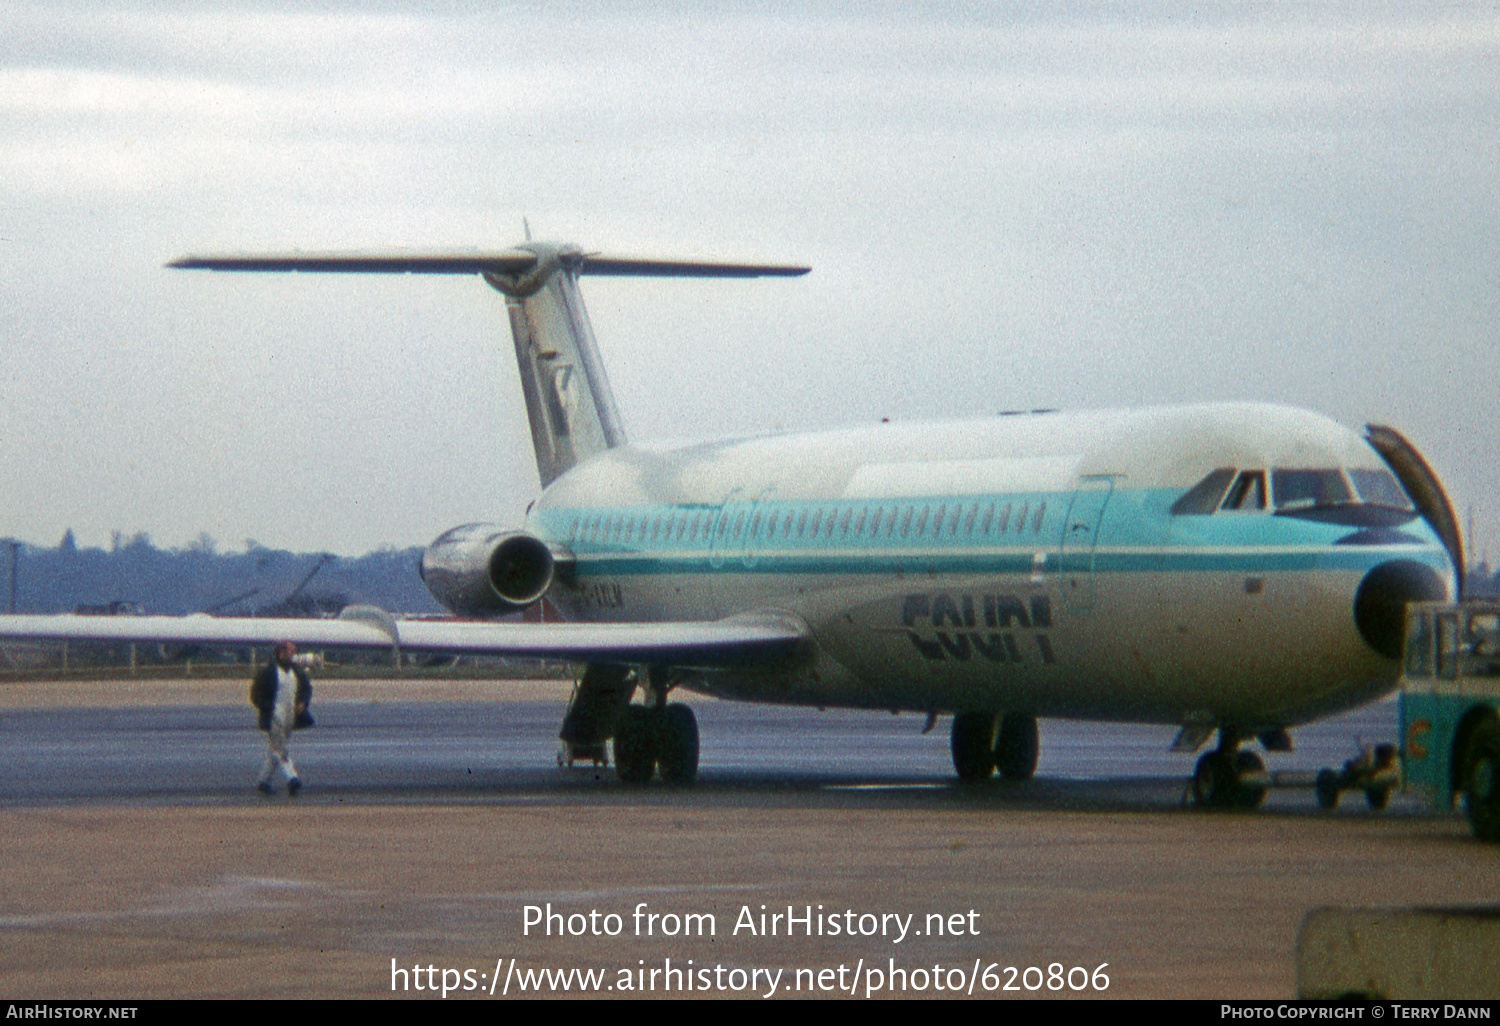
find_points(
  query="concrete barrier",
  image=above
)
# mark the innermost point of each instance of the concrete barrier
(1410, 954)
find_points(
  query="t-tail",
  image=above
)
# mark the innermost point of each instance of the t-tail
(569, 404)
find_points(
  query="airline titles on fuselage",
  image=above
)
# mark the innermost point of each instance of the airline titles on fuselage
(993, 639)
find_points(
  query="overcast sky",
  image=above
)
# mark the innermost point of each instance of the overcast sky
(1049, 205)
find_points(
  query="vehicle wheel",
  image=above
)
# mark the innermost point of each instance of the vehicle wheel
(1482, 781)
(1213, 780)
(1016, 747)
(974, 745)
(677, 750)
(635, 745)
(1248, 796)
(1327, 788)
(1378, 798)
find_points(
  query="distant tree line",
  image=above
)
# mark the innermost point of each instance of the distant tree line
(136, 576)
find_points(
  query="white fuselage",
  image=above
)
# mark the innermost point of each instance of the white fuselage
(1030, 563)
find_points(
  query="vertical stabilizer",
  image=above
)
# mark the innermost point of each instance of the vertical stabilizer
(568, 400)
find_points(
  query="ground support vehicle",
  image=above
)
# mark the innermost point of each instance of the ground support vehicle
(1450, 695)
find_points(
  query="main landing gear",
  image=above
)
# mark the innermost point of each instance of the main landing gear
(1227, 778)
(655, 735)
(984, 742)
(658, 736)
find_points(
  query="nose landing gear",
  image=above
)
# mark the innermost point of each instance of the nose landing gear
(1227, 778)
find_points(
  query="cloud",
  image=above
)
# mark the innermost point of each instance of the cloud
(1033, 206)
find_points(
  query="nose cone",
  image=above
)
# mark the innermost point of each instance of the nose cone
(1380, 603)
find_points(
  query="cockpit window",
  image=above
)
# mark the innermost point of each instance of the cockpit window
(1379, 488)
(1309, 489)
(1366, 495)
(1204, 496)
(1248, 491)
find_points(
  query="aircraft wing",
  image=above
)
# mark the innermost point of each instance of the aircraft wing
(741, 640)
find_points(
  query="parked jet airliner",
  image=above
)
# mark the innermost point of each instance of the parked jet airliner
(1235, 569)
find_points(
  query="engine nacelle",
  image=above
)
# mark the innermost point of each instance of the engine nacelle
(484, 570)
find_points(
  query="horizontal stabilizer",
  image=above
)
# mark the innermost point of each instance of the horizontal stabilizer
(632, 266)
(569, 406)
(505, 261)
(699, 645)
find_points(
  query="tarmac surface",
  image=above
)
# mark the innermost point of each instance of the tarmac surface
(140, 863)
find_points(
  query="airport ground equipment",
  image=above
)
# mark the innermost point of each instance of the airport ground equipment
(1450, 694)
(1376, 771)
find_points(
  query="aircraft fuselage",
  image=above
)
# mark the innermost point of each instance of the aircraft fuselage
(1032, 563)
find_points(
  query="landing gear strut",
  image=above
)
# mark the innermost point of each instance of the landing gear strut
(983, 742)
(1227, 778)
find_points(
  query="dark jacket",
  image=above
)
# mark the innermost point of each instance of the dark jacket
(263, 696)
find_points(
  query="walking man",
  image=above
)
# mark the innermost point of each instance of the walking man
(281, 694)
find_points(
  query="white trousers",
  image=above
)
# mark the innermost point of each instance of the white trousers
(277, 755)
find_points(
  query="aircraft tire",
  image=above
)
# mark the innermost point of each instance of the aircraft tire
(1016, 747)
(973, 743)
(635, 745)
(1482, 781)
(1213, 781)
(1248, 796)
(677, 749)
